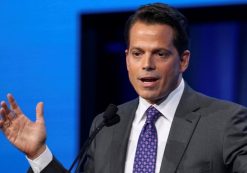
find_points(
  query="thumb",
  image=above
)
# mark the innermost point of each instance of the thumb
(40, 112)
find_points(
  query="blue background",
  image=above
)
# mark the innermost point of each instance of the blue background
(39, 61)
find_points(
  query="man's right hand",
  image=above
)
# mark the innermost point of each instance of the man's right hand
(29, 137)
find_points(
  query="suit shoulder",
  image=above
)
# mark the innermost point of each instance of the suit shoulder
(123, 109)
(132, 104)
(211, 103)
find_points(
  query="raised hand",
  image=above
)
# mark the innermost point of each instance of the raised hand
(29, 137)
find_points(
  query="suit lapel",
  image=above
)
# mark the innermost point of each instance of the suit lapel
(120, 138)
(183, 126)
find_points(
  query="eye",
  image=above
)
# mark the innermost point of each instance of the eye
(163, 54)
(136, 53)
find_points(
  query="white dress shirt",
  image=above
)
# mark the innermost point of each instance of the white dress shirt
(167, 108)
(41, 162)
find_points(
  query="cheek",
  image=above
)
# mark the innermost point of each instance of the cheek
(131, 66)
(127, 63)
(131, 71)
(175, 66)
(169, 71)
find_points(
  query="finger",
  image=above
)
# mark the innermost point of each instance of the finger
(40, 112)
(3, 114)
(9, 113)
(5, 106)
(13, 104)
(2, 117)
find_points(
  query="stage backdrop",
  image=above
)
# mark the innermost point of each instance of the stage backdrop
(41, 60)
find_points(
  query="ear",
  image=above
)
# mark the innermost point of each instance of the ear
(126, 58)
(185, 59)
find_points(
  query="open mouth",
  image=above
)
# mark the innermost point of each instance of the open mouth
(148, 79)
(149, 82)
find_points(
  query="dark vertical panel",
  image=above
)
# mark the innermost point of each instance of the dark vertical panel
(242, 67)
(104, 78)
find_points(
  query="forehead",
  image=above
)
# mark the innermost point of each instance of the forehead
(141, 32)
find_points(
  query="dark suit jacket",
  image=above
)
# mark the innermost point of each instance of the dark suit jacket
(207, 135)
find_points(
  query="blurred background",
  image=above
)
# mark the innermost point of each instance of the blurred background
(70, 55)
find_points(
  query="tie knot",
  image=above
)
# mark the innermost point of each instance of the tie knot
(152, 114)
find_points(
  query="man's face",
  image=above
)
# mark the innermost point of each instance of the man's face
(153, 63)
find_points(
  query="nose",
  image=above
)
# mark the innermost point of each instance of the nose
(148, 63)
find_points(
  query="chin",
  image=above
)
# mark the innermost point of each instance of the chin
(150, 98)
(153, 97)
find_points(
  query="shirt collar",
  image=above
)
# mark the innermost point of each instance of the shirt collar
(167, 107)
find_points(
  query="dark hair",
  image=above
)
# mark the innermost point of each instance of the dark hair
(158, 13)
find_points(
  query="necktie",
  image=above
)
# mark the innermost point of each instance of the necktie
(146, 151)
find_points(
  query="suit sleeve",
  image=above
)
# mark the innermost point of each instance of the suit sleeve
(56, 167)
(53, 167)
(235, 141)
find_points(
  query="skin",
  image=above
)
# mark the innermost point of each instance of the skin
(154, 66)
(29, 137)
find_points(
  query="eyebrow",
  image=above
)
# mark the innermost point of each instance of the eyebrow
(162, 49)
(154, 50)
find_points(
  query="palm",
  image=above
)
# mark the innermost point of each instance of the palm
(27, 136)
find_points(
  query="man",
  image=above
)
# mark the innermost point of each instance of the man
(169, 128)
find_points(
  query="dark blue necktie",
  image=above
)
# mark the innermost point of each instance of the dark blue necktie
(146, 151)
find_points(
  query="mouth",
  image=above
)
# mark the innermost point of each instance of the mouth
(149, 81)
